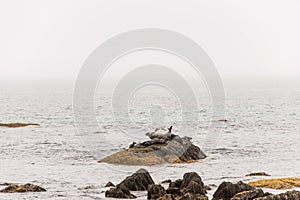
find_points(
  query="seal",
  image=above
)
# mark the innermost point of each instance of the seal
(161, 133)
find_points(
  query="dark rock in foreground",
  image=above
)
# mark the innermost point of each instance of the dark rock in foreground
(290, 195)
(158, 151)
(249, 195)
(17, 125)
(227, 190)
(190, 187)
(155, 191)
(12, 188)
(120, 192)
(139, 181)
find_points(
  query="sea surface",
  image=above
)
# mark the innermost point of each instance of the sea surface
(261, 134)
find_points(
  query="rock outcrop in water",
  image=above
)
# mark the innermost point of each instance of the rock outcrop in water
(16, 125)
(13, 188)
(278, 184)
(157, 151)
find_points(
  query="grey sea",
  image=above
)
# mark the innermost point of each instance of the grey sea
(261, 133)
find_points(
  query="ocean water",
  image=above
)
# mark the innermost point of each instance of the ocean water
(261, 134)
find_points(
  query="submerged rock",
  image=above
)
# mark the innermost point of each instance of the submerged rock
(258, 174)
(17, 125)
(155, 191)
(13, 188)
(157, 151)
(290, 195)
(120, 192)
(278, 184)
(139, 181)
(227, 190)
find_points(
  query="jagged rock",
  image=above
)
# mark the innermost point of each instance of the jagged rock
(227, 190)
(175, 191)
(109, 184)
(157, 151)
(22, 188)
(155, 191)
(192, 183)
(17, 125)
(191, 196)
(290, 195)
(258, 174)
(278, 183)
(249, 195)
(139, 181)
(166, 197)
(120, 192)
(176, 184)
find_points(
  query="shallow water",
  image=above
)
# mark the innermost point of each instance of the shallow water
(262, 134)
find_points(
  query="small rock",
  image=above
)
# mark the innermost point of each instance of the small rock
(176, 184)
(89, 187)
(227, 190)
(290, 195)
(119, 192)
(109, 184)
(249, 195)
(166, 197)
(207, 188)
(190, 196)
(139, 181)
(258, 174)
(22, 188)
(155, 191)
(166, 181)
(174, 191)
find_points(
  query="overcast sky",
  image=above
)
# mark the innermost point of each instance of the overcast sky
(51, 39)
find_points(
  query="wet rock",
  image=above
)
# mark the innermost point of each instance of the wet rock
(192, 183)
(157, 151)
(290, 195)
(249, 195)
(166, 181)
(22, 188)
(176, 184)
(191, 196)
(109, 184)
(227, 190)
(166, 197)
(120, 192)
(155, 191)
(139, 181)
(278, 184)
(175, 191)
(258, 174)
(17, 125)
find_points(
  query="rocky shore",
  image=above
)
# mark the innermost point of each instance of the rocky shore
(191, 187)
